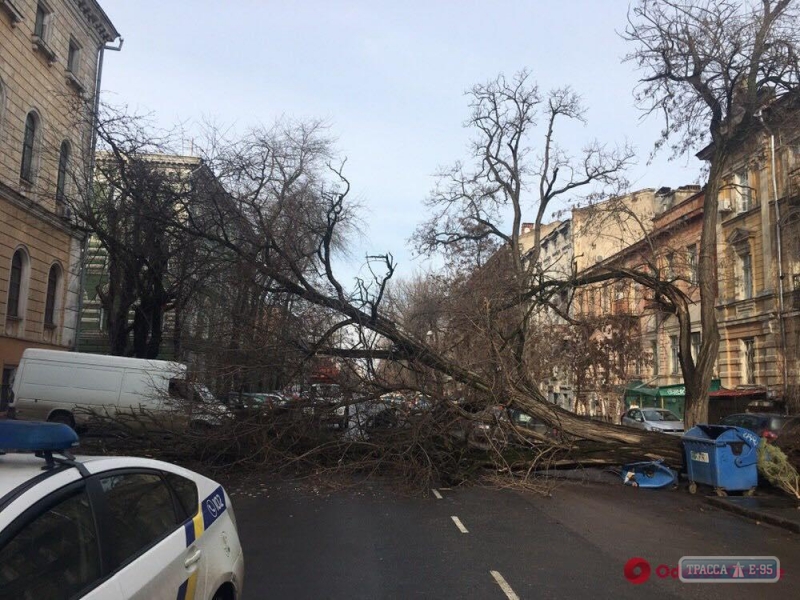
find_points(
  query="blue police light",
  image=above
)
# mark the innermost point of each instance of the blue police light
(36, 437)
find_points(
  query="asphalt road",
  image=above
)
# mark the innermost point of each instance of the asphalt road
(370, 542)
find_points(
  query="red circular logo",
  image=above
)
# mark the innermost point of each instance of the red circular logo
(637, 570)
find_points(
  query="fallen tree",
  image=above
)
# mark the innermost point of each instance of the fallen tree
(279, 205)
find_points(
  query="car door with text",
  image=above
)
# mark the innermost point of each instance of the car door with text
(155, 553)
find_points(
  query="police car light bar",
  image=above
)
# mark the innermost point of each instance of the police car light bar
(32, 436)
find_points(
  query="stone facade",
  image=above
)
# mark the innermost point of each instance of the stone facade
(48, 70)
(760, 335)
(671, 247)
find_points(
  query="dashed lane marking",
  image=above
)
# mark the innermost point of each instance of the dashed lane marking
(437, 494)
(504, 585)
(459, 524)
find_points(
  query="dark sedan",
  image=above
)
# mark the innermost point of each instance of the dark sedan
(766, 425)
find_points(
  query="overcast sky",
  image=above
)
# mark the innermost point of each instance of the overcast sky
(389, 77)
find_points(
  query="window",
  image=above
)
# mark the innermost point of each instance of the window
(186, 491)
(742, 190)
(61, 181)
(676, 363)
(696, 340)
(745, 274)
(141, 513)
(2, 106)
(42, 18)
(691, 252)
(53, 556)
(15, 281)
(73, 57)
(748, 360)
(654, 349)
(670, 266)
(28, 147)
(5, 388)
(53, 279)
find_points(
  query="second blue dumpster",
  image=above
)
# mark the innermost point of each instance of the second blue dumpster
(722, 457)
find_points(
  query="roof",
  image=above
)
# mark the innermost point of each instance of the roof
(100, 359)
(18, 469)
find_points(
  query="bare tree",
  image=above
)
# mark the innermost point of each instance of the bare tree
(477, 208)
(150, 265)
(710, 67)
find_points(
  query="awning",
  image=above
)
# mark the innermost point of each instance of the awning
(724, 393)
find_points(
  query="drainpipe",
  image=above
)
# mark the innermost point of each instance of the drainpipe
(90, 183)
(781, 323)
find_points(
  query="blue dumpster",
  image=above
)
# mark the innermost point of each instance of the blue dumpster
(722, 457)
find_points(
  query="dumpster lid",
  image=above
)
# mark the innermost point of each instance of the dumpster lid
(706, 433)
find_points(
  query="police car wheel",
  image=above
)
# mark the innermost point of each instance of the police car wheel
(223, 593)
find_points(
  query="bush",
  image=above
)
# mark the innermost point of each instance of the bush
(774, 465)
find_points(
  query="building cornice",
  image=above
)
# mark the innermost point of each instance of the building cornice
(98, 19)
(36, 210)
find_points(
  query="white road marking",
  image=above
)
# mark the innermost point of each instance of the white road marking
(459, 524)
(437, 494)
(504, 585)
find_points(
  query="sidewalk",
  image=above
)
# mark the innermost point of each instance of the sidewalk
(781, 511)
(769, 507)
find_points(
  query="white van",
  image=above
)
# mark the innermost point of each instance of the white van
(68, 387)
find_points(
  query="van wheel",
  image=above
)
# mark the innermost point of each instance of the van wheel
(63, 418)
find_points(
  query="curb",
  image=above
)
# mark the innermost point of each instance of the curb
(754, 514)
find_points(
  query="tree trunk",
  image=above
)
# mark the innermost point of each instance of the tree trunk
(698, 382)
(156, 331)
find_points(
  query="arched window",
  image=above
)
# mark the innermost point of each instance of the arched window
(53, 280)
(61, 181)
(28, 147)
(15, 284)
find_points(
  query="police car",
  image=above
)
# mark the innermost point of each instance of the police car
(109, 528)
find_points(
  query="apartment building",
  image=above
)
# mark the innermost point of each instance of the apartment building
(758, 306)
(49, 53)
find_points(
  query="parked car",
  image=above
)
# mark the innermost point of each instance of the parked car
(766, 425)
(493, 427)
(109, 528)
(394, 410)
(654, 419)
(73, 388)
(256, 401)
